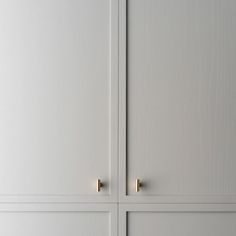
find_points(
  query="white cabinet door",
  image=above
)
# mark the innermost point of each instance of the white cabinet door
(177, 220)
(180, 87)
(76, 220)
(58, 99)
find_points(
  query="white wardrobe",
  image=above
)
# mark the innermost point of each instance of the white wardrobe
(117, 117)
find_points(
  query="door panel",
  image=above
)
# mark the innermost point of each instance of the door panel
(141, 220)
(58, 99)
(60, 220)
(181, 97)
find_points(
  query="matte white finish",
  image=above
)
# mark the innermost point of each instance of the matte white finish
(184, 220)
(60, 220)
(59, 117)
(49, 223)
(58, 100)
(180, 85)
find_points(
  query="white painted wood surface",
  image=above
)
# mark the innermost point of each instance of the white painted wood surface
(181, 97)
(178, 220)
(60, 220)
(59, 117)
(58, 100)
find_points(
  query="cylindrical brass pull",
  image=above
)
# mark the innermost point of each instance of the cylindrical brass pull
(137, 185)
(99, 185)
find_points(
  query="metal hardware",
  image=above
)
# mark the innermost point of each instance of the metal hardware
(99, 185)
(137, 185)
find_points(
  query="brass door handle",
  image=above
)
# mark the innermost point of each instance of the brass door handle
(99, 185)
(137, 185)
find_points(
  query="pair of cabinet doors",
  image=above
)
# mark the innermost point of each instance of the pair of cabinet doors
(123, 92)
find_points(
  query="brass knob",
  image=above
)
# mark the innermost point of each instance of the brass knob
(137, 185)
(99, 185)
